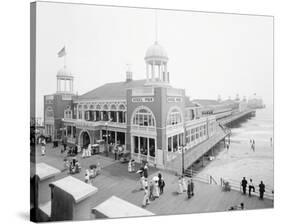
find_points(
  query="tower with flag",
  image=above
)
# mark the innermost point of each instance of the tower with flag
(64, 76)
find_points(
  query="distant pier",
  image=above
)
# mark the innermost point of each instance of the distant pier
(237, 117)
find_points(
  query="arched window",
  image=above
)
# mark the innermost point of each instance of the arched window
(98, 107)
(144, 117)
(122, 107)
(174, 117)
(68, 112)
(105, 107)
(85, 107)
(113, 107)
(92, 107)
(49, 112)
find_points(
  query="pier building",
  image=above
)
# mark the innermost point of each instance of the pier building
(148, 118)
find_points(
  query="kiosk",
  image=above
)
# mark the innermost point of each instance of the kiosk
(115, 207)
(71, 199)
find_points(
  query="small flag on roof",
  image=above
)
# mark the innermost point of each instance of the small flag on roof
(62, 52)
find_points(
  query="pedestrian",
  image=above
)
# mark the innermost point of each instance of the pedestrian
(180, 188)
(43, 150)
(192, 187)
(188, 189)
(261, 190)
(145, 170)
(242, 206)
(115, 153)
(87, 176)
(244, 185)
(151, 189)
(142, 182)
(133, 165)
(130, 166)
(227, 146)
(161, 183)
(155, 188)
(145, 201)
(184, 186)
(83, 152)
(253, 145)
(251, 187)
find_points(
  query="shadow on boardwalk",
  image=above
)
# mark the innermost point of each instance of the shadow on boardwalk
(115, 180)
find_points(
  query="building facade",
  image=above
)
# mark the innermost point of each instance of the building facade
(149, 118)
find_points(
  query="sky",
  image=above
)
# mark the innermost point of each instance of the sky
(209, 54)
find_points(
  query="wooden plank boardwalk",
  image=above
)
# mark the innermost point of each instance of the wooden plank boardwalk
(115, 180)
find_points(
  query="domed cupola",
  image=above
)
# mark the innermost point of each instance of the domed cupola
(64, 72)
(64, 81)
(156, 60)
(156, 53)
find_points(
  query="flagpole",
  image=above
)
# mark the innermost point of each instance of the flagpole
(65, 56)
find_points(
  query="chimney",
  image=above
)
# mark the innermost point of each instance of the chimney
(129, 74)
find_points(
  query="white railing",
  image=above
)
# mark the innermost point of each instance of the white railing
(84, 123)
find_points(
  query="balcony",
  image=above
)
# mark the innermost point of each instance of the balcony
(91, 124)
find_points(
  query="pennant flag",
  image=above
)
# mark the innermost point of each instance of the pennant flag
(62, 52)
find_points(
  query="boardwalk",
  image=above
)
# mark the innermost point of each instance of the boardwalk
(196, 152)
(115, 180)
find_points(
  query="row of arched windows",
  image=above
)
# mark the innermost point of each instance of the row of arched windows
(142, 116)
(105, 107)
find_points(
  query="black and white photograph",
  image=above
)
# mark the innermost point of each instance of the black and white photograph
(138, 111)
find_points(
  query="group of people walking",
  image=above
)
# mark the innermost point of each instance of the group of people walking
(152, 189)
(251, 187)
(91, 173)
(186, 185)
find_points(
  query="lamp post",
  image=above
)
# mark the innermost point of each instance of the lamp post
(106, 126)
(182, 155)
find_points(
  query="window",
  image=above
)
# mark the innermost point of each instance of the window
(143, 117)
(49, 112)
(68, 113)
(174, 117)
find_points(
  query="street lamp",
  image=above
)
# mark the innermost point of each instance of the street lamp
(182, 154)
(106, 126)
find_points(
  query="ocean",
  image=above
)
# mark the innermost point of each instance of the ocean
(240, 160)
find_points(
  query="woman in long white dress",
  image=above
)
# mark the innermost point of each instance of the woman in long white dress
(130, 166)
(89, 151)
(180, 187)
(43, 150)
(142, 182)
(156, 189)
(184, 185)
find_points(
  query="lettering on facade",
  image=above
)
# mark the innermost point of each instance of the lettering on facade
(142, 99)
(174, 99)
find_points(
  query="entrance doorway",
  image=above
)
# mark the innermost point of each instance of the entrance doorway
(84, 139)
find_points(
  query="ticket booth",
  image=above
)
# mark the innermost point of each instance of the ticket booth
(115, 207)
(70, 199)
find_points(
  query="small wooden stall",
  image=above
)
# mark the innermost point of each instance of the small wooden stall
(115, 207)
(71, 199)
(45, 175)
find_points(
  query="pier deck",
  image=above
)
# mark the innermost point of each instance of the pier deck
(115, 180)
(236, 116)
